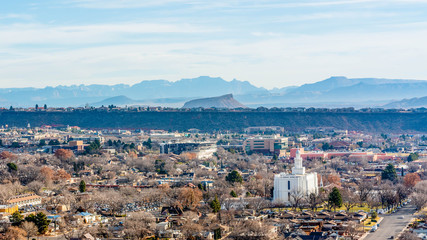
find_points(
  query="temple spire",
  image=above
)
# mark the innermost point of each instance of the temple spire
(298, 168)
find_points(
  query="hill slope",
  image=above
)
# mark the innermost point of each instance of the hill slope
(408, 103)
(225, 101)
(116, 101)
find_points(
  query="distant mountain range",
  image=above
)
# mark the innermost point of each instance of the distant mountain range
(408, 103)
(225, 101)
(332, 92)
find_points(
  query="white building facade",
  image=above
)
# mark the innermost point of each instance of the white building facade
(298, 183)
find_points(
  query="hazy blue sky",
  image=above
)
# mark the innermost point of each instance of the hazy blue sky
(269, 43)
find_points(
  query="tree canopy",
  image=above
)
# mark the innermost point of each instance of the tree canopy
(82, 186)
(215, 205)
(335, 198)
(234, 177)
(12, 167)
(389, 173)
(16, 218)
(40, 220)
(412, 157)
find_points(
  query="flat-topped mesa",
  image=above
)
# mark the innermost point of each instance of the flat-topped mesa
(224, 101)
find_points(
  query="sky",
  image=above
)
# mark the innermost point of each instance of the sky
(268, 43)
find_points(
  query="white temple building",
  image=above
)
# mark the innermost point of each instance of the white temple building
(296, 183)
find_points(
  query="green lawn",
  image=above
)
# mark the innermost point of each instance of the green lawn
(368, 224)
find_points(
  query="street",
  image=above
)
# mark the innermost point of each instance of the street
(392, 224)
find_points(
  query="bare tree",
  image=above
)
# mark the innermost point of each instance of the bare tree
(189, 225)
(365, 190)
(419, 200)
(314, 200)
(349, 199)
(15, 233)
(419, 197)
(387, 195)
(402, 192)
(296, 199)
(35, 186)
(70, 228)
(139, 225)
(30, 229)
(251, 229)
(190, 197)
(227, 216)
(409, 236)
(258, 203)
(374, 201)
(353, 230)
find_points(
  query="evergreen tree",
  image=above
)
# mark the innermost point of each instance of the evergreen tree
(45, 106)
(234, 177)
(12, 167)
(15, 145)
(31, 218)
(54, 142)
(335, 199)
(93, 147)
(42, 143)
(215, 204)
(389, 173)
(412, 157)
(82, 186)
(37, 107)
(217, 234)
(326, 146)
(275, 157)
(147, 143)
(16, 218)
(233, 193)
(42, 222)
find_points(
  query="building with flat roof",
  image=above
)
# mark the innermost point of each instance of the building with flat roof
(266, 146)
(10, 209)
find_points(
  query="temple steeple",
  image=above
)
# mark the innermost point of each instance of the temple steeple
(298, 168)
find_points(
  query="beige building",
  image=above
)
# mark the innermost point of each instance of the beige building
(25, 200)
(77, 145)
(268, 146)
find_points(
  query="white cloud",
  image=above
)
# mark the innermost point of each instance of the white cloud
(16, 16)
(275, 62)
(84, 34)
(242, 4)
(125, 3)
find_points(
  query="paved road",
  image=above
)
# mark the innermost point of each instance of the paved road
(392, 224)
